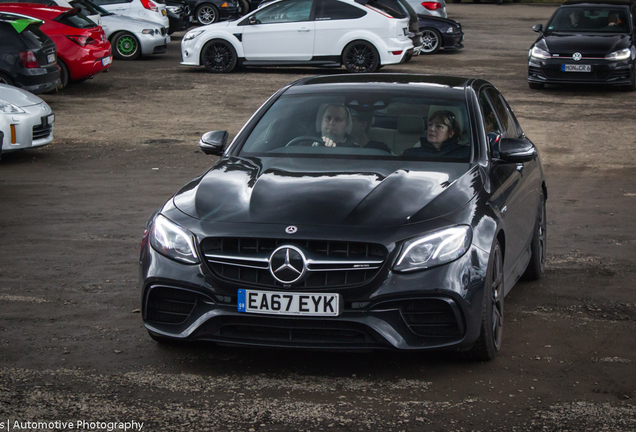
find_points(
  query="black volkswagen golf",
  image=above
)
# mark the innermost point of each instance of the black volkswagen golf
(588, 42)
(353, 212)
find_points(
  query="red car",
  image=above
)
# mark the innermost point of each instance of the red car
(82, 47)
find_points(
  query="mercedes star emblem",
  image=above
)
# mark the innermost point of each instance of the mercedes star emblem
(287, 264)
(577, 56)
(291, 229)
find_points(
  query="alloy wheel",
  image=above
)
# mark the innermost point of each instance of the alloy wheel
(497, 298)
(127, 46)
(542, 236)
(206, 15)
(360, 58)
(219, 57)
(430, 42)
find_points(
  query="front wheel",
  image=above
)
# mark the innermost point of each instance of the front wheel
(431, 41)
(244, 7)
(126, 46)
(218, 56)
(360, 57)
(207, 14)
(65, 75)
(489, 342)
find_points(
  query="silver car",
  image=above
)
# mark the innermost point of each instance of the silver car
(26, 121)
(429, 7)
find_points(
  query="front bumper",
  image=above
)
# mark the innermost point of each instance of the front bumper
(27, 130)
(439, 308)
(452, 41)
(550, 71)
(153, 44)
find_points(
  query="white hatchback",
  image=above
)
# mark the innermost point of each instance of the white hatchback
(141, 9)
(328, 33)
(25, 120)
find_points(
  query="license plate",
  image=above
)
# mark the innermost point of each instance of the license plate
(50, 119)
(286, 303)
(576, 68)
(163, 11)
(50, 58)
(106, 61)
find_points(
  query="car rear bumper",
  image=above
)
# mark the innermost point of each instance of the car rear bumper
(38, 80)
(603, 72)
(91, 63)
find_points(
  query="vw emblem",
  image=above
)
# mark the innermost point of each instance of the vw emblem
(287, 264)
(291, 229)
(577, 56)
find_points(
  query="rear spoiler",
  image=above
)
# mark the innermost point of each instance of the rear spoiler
(382, 8)
(69, 12)
(20, 24)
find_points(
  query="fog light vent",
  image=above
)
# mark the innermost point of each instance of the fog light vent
(169, 305)
(431, 318)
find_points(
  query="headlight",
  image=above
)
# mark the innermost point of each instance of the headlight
(623, 54)
(9, 108)
(449, 30)
(173, 241)
(149, 31)
(174, 9)
(435, 248)
(537, 52)
(192, 34)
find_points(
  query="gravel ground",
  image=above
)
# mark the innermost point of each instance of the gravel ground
(72, 346)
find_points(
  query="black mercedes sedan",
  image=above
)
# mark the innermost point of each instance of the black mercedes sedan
(353, 213)
(586, 42)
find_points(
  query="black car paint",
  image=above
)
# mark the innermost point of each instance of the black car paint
(180, 20)
(450, 41)
(35, 80)
(383, 202)
(592, 46)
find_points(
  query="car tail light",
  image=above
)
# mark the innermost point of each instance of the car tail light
(28, 59)
(82, 40)
(150, 5)
(432, 5)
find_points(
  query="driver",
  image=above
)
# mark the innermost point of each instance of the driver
(335, 123)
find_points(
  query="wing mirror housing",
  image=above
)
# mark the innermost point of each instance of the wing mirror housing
(513, 150)
(213, 143)
(538, 28)
(252, 20)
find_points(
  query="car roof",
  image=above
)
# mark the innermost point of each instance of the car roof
(600, 2)
(37, 7)
(10, 17)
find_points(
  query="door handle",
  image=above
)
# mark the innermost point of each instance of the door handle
(303, 29)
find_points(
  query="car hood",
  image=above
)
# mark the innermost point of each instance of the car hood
(588, 45)
(432, 18)
(293, 191)
(17, 96)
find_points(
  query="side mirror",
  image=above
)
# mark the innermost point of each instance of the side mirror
(538, 28)
(513, 150)
(252, 20)
(214, 142)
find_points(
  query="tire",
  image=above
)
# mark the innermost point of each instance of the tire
(489, 342)
(431, 41)
(65, 75)
(536, 86)
(218, 56)
(125, 46)
(4, 79)
(536, 266)
(360, 57)
(207, 14)
(244, 7)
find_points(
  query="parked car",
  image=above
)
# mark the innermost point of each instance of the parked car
(27, 55)
(26, 120)
(139, 9)
(434, 7)
(589, 42)
(130, 38)
(82, 48)
(63, 3)
(438, 33)
(402, 8)
(350, 247)
(178, 15)
(210, 11)
(341, 32)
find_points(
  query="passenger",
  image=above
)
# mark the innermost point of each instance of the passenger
(335, 123)
(360, 126)
(442, 138)
(574, 19)
(613, 20)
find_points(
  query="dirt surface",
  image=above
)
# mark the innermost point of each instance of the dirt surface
(72, 345)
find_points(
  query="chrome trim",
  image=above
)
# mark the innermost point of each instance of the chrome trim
(238, 258)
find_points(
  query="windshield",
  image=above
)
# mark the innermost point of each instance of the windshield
(365, 125)
(90, 8)
(589, 19)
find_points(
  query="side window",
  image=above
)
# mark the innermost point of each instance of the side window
(507, 125)
(490, 120)
(284, 12)
(336, 10)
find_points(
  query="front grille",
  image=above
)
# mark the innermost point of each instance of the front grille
(42, 131)
(163, 31)
(432, 318)
(329, 263)
(169, 305)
